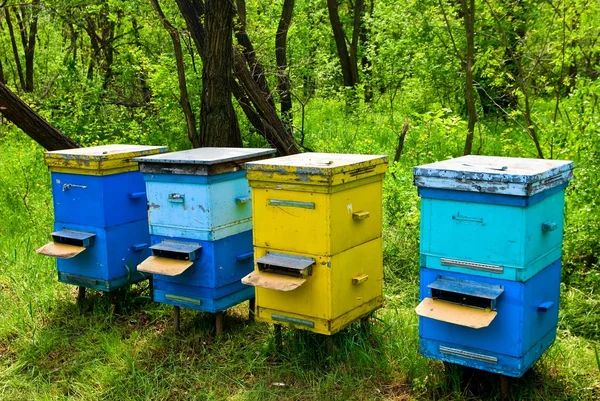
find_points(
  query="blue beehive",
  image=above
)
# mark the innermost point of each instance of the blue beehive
(100, 212)
(496, 325)
(200, 225)
(491, 242)
(492, 216)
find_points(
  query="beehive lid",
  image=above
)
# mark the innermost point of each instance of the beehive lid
(496, 175)
(202, 161)
(99, 160)
(317, 168)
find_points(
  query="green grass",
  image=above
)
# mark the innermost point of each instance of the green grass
(52, 349)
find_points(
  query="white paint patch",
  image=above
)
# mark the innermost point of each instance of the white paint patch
(57, 181)
(349, 207)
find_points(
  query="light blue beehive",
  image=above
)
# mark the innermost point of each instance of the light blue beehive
(492, 216)
(201, 193)
(200, 219)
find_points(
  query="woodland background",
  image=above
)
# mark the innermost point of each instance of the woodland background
(419, 80)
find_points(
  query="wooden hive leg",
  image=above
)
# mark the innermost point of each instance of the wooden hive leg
(176, 318)
(278, 338)
(80, 295)
(329, 345)
(251, 307)
(504, 388)
(219, 322)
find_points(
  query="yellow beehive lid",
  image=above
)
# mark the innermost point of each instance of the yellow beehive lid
(316, 169)
(99, 160)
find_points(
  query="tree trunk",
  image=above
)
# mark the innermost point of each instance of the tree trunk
(285, 98)
(469, 21)
(16, 111)
(273, 128)
(256, 67)
(356, 27)
(340, 43)
(28, 39)
(190, 118)
(2, 80)
(218, 122)
(365, 62)
(15, 50)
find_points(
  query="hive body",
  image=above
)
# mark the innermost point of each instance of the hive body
(200, 214)
(324, 209)
(99, 194)
(491, 238)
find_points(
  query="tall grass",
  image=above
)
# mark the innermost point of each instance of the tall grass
(52, 349)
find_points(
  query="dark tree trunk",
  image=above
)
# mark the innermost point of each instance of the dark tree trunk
(365, 62)
(340, 43)
(28, 39)
(255, 102)
(16, 111)
(468, 12)
(2, 80)
(256, 67)
(15, 50)
(190, 118)
(272, 127)
(101, 31)
(356, 27)
(285, 98)
(218, 122)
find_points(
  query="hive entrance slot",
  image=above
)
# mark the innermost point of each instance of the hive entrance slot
(461, 299)
(67, 244)
(280, 272)
(171, 258)
(287, 265)
(176, 250)
(461, 302)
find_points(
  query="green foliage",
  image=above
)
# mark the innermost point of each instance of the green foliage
(543, 53)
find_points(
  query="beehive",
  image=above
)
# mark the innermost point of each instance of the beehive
(317, 239)
(101, 224)
(200, 220)
(491, 241)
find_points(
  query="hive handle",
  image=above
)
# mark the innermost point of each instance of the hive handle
(243, 199)
(460, 217)
(290, 203)
(360, 215)
(549, 225)
(545, 306)
(176, 198)
(136, 195)
(244, 256)
(139, 247)
(361, 278)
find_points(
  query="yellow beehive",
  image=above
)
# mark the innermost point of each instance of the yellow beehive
(317, 239)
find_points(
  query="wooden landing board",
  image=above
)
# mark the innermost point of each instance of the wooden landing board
(164, 266)
(273, 281)
(61, 251)
(461, 315)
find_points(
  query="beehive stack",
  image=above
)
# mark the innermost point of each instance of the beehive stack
(491, 242)
(201, 226)
(101, 224)
(317, 239)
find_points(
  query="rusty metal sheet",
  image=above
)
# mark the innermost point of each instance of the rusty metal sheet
(61, 251)
(164, 266)
(461, 315)
(273, 281)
